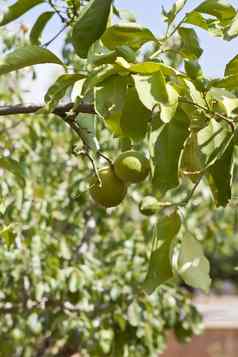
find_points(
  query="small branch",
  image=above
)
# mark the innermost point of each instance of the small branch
(46, 44)
(54, 7)
(61, 110)
(218, 115)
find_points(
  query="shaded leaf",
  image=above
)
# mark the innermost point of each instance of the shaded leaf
(135, 116)
(190, 47)
(59, 88)
(220, 177)
(90, 25)
(167, 152)
(109, 102)
(87, 127)
(160, 266)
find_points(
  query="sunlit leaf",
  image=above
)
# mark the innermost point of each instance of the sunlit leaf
(27, 56)
(39, 26)
(130, 34)
(193, 266)
(16, 10)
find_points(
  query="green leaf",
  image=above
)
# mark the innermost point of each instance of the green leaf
(7, 235)
(218, 8)
(16, 10)
(168, 110)
(59, 88)
(149, 206)
(220, 184)
(124, 15)
(168, 226)
(87, 127)
(174, 11)
(228, 82)
(39, 26)
(167, 152)
(226, 102)
(90, 25)
(147, 67)
(213, 141)
(194, 71)
(127, 52)
(232, 67)
(135, 116)
(25, 57)
(232, 30)
(191, 163)
(109, 102)
(130, 34)
(190, 47)
(160, 266)
(106, 58)
(97, 76)
(153, 90)
(193, 266)
(14, 167)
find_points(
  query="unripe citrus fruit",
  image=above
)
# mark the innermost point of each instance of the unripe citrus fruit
(132, 166)
(112, 189)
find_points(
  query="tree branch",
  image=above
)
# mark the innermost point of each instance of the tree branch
(61, 110)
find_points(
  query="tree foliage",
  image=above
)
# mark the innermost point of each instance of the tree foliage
(78, 277)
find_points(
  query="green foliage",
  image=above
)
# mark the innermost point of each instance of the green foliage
(74, 276)
(25, 57)
(90, 25)
(18, 9)
(39, 26)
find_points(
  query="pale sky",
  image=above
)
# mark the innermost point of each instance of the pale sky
(215, 56)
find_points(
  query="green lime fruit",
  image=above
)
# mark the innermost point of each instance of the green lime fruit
(112, 190)
(132, 166)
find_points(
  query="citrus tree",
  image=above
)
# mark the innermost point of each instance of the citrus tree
(99, 183)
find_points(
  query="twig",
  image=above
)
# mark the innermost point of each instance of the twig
(57, 11)
(100, 154)
(46, 44)
(221, 116)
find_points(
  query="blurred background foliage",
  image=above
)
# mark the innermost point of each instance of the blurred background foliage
(70, 271)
